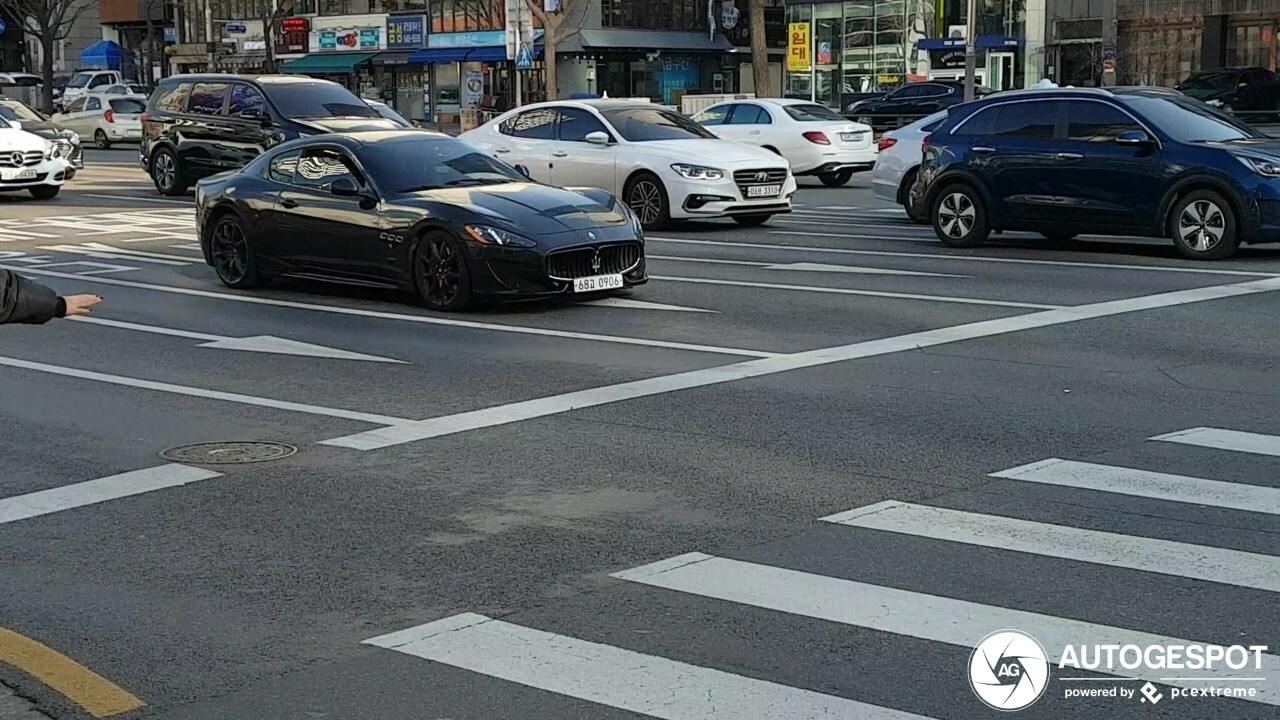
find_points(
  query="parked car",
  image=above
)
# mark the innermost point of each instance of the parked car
(30, 162)
(417, 211)
(661, 163)
(198, 125)
(105, 118)
(1071, 161)
(127, 89)
(1234, 89)
(910, 103)
(87, 81)
(898, 164)
(37, 123)
(813, 138)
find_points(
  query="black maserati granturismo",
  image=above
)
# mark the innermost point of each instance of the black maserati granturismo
(413, 210)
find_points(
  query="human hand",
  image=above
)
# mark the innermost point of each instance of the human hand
(80, 304)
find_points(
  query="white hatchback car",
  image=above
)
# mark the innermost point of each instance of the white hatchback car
(815, 139)
(898, 163)
(660, 163)
(105, 118)
(29, 162)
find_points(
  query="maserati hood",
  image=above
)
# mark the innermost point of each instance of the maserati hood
(529, 209)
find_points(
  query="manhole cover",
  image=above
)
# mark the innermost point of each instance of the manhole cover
(228, 453)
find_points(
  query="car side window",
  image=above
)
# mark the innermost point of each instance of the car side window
(172, 98)
(1089, 121)
(100, 80)
(1027, 120)
(92, 104)
(246, 99)
(207, 98)
(283, 167)
(910, 91)
(76, 106)
(318, 168)
(929, 90)
(713, 116)
(532, 125)
(576, 125)
(746, 114)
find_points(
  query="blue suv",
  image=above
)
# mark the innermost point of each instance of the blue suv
(1124, 162)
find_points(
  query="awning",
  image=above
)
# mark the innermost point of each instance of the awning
(984, 41)
(649, 40)
(326, 63)
(486, 53)
(395, 57)
(105, 54)
(246, 59)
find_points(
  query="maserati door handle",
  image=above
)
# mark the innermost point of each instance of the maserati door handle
(1070, 156)
(984, 150)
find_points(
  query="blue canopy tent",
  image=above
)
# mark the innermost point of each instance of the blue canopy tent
(105, 55)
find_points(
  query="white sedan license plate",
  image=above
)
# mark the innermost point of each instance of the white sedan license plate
(27, 174)
(764, 191)
(851, 137)
(597, 282)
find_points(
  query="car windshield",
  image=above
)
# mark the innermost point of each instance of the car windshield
(813, 113)
(80, 80)
(649, 124)
(14, 110)
(409, 165)
(387, 112)
(128, 106)
(1210, 81)
(1190, 121)
(4, 124)
(301, 100)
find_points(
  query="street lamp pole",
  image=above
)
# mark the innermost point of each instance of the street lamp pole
(970, 49)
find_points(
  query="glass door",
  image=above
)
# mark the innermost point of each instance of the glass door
(1000, 71)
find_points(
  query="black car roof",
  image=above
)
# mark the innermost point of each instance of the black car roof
(357, 138)
(228, 77)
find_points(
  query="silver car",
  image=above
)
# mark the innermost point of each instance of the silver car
(898, 162)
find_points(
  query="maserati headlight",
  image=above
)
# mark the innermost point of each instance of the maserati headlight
(1265, 166)
(498, 236)
(697, 172)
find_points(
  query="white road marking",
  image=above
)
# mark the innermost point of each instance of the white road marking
(139, 198)
(555, 404)
(822, 267)
(427, 320)
(202, 392)
(865, 293)
(900, 238)
(1165, 557)
(96, 268)
(194, 247)
(1245, 442)
(101, 490)
(131, 253)
(1147, 484)
(642, 305)
(615, 677)
(901, 612)
(111, 255)
(939, 256)
(257, 343)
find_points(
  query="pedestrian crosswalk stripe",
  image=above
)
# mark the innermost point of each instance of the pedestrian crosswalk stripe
(903, 612)
(1144, 483)
(1229, 567)
(92, 492)
(1245, 442)
(616, 677)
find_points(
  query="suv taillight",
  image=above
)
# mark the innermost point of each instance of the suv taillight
(885, 143)
(110, 116)
(817, 138)
(143, 118)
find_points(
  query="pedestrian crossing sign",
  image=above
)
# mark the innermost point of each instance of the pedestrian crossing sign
(524, 58)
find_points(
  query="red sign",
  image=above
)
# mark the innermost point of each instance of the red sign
(296, 24)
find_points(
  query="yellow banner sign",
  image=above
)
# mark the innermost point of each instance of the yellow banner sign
(800, 48)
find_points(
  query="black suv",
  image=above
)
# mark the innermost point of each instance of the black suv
(201, 125)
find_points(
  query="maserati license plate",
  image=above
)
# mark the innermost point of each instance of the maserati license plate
(756, 191)
(596, 283)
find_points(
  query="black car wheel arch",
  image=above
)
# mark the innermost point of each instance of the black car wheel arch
(166, 172)
(440, 271)
(231, 252)
(1164, 224)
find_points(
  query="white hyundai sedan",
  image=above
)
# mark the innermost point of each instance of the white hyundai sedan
(815, 139)
(29, 162)
(661, 164)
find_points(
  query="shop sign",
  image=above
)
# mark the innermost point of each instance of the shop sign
(292, 35)
(800, 48)
(735, 24)
(467, 39)
(406, 32)
(352, 39)
(679, 74)
(946, 59)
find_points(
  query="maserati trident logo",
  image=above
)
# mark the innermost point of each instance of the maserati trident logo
(762, 176)
(1009, 670)
(16, 159)
(595, 262)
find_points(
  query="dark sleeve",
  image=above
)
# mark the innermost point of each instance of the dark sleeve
(22, 301)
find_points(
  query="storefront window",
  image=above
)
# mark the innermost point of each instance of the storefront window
(449, 16)
(344, 7)
(654, 14)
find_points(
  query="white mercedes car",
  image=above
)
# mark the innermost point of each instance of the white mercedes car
(29, 162)
(815, 139)
(901, 152)
(660, 163)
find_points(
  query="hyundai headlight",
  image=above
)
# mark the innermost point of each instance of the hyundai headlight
(498, 236)
(697, 172)
(1265, 166)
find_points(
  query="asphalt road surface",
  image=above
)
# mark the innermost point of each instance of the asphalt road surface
(802, 473)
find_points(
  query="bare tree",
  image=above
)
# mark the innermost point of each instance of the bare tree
(49, 22)
(759, 49)
(272, 12)
(149, 8)
(554, 33)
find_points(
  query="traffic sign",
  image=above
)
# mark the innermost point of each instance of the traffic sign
(2, 27)
(524, 58)
(237, 29)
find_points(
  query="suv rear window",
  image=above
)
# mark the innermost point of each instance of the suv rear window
(127, 106)
(171, 98)
(316, 100)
